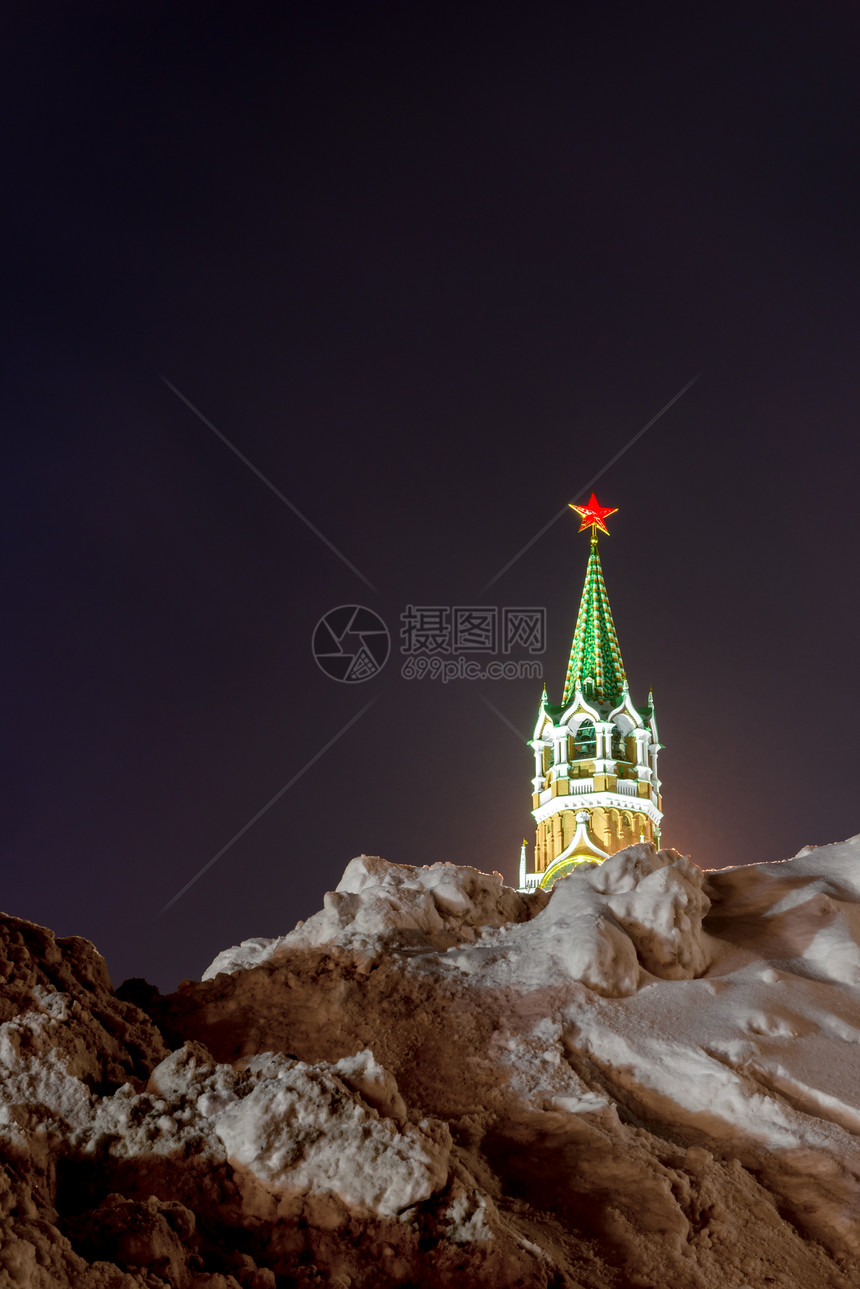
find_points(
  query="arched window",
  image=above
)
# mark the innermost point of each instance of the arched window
(619, 745)
(586, 740)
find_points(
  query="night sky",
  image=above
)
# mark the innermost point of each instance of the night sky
(429, 269)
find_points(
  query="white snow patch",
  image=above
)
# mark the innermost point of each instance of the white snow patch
(327, 1129)
(42, 1069)
(467, 1218)
(377, 904)
(302, 1129)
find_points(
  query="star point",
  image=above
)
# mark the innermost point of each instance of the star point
(594, 515)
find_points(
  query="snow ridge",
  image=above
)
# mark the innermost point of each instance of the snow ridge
(647, 1077)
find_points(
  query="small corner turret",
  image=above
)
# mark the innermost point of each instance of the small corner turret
(595, 789)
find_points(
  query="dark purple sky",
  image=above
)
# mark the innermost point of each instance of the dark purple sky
(428, 267)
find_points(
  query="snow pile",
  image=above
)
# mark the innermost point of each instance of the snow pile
(44, 1065)
(302, 1129)
(647, 1077)
(610, 927)
(659, 901)
(296, 1129)
(603, 926)
(378, 905)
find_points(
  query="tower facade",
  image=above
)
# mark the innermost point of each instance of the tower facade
(595, 786)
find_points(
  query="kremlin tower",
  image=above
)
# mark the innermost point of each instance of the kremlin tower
(595, 787)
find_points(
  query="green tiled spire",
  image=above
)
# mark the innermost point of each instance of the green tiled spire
(595, 655)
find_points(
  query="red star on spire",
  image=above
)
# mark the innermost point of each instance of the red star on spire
(593, 515)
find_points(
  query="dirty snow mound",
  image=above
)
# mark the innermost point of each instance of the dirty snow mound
(646, 1078)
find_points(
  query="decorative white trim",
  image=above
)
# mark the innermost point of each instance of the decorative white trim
(626, 708)
(577, 787)
(580, 841)
(578, 705)
(596, 800)
(542, 721)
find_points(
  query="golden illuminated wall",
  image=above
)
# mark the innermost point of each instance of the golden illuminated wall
(611, 828)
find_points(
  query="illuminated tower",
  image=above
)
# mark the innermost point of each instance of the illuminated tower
(595, 788)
